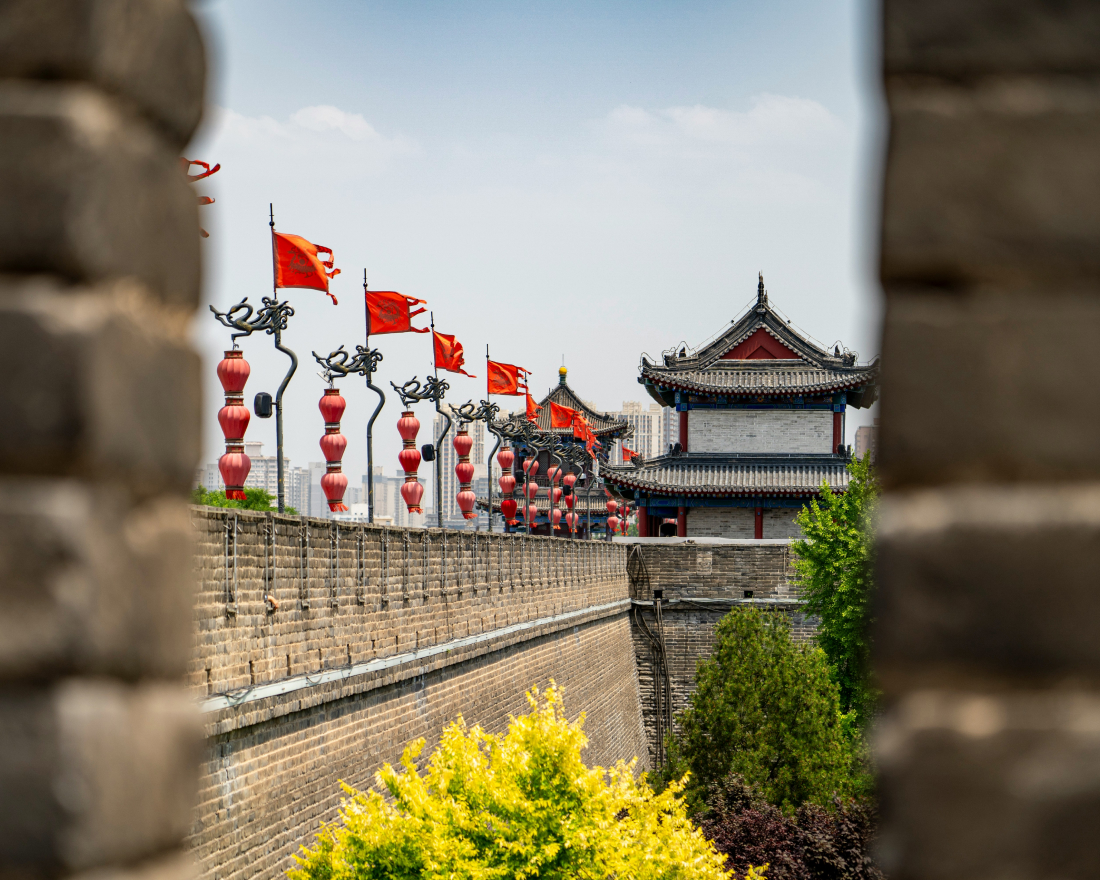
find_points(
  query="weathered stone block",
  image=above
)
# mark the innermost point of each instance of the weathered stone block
(994, 182)
(980, 785)
(92, 584)
(92, 193)
(989, 386)
(962, 570)
(94, 773)
(96, 383)
(147, 51)
(952, 39)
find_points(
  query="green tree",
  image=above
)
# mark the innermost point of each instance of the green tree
(255, 499)
(834, 573)
(520, 805)
(765, 709)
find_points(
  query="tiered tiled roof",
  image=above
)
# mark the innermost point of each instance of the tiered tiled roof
(731, 475)
(761, 355)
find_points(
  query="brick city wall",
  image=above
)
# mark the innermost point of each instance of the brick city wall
(700, 583)
(740, 522)
(750, 430)
(370, 648)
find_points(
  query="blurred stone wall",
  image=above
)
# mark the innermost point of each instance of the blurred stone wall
(989, 538)
(99, 436)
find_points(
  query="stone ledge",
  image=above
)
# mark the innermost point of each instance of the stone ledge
(225, 714)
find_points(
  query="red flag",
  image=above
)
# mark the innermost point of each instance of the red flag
(297, 263)
(532, 409)
(390, 312)
(580, 426)
(506, 379)
(628, 454)
(561, 416)
(448, 354)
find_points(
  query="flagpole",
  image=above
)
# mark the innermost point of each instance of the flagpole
(489, 462)
(439, 442)
(377, 409)
(286, 380)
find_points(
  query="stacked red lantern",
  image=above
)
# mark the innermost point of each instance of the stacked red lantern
(464, 470)
(408, 426)
(571, 518)
(554, 491)
(334, 483)
(507, 485)
(530, 510)
(612, 520)
(233, 371)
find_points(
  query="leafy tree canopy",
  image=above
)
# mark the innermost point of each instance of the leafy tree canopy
(255, 499)
(833, 569)
(514, 806)
(765, 709)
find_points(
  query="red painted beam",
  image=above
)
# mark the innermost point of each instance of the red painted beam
(684, 431)
(758, 530)
(681, 522)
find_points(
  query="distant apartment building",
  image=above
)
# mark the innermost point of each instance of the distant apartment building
(867, 441)
(655, 430)
(389, 506)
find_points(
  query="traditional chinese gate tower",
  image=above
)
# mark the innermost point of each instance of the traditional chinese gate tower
(761, 412)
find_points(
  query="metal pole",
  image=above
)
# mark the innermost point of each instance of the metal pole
(377, 410)
(490, 472)
(286, 380)
(526, 486)
(439, 443)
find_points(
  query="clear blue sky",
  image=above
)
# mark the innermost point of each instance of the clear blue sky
(578, 180)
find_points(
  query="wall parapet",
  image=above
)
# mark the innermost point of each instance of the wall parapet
(286, 597)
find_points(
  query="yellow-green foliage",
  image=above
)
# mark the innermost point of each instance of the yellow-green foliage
(514, 806)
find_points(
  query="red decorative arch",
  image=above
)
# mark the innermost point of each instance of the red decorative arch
(761, 345)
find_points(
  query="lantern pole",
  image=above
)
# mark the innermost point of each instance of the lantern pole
(489, 428)
(370, 364)
(439, 442)
(550, 505)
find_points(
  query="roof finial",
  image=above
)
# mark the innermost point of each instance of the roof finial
(761, 294)
(561, 374)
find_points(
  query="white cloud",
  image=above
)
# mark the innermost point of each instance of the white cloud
(771, 120)
(325, 136)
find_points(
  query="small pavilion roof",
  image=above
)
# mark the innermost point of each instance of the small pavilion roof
(760, 354)
(604, 425)
(732, 475)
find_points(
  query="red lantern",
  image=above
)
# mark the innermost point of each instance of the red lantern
(571, 518)
(612, 524)
(532, 491)
(508, 510)
(612, 506)
(505, 458)
(409, 456)
(532, 513)
(570, 500)
(570, 479)
(464, 470)
(531, 467)
(507, 484)
(557, 494)
(554, 473)
(334, 483)
(555, 518)
(234, 465)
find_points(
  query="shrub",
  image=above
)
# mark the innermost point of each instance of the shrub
(514, 806)
(813, 844)
(255, 499)
(766, 709)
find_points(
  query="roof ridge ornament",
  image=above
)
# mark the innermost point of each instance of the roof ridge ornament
(761, 293)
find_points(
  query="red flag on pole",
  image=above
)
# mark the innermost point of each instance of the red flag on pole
(580, 426)
(390, 312)
(506, 378)
(297, 263)
(561, 416)
(448, 354)
(628, 454)
(532, 409)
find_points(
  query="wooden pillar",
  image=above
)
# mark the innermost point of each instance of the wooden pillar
(758, 529)
(643, 523)
(681, 522)
(684, 431)
(838, 430)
